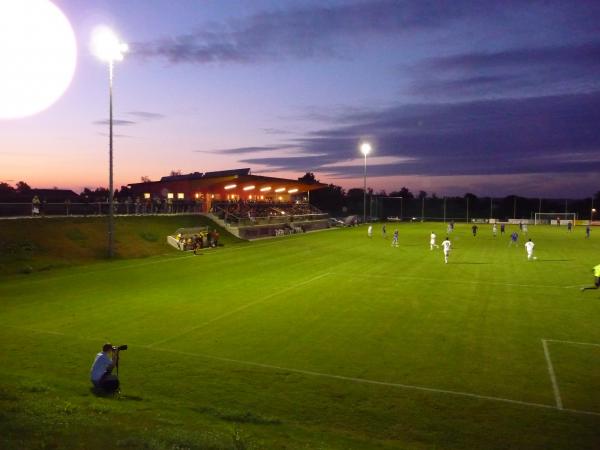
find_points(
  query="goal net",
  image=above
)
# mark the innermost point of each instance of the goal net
(555, 218)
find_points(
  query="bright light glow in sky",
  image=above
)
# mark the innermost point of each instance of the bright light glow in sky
(38, 51)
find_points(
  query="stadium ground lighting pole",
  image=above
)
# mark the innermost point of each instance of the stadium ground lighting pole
(109, 49)
(365, 149)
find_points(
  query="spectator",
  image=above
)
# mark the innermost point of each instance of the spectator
(35, 206)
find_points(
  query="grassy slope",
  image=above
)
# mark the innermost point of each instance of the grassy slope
(332, 302)
(41, 244)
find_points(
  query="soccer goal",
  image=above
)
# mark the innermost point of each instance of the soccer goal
(555, 218)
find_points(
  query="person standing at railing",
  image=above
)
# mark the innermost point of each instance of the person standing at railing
(35, 206)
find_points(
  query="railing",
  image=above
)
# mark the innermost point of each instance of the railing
(280, 216)
(98, 209)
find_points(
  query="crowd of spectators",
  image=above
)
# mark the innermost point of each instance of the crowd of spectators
(198, 241)
(255, 212)
(128, 205)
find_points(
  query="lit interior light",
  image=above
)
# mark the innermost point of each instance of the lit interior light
(280, 189)
(230, 186)
(249, 188)
(265, 189)
(292, 191)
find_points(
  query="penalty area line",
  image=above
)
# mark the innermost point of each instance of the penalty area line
(374, 382)
(237, 310)
(332, 376)
(572, 342)
(555, 390)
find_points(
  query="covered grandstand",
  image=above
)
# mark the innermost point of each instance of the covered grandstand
(250, 206)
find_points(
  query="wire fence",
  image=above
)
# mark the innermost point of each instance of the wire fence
(467, 209)
(44, 209)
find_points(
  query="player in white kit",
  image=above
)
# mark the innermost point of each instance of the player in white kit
(432, 241)
(395, 239)
(370, 231)
(446, 245)
(495, 230)
(529, 247)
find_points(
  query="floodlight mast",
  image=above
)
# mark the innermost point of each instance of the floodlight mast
(109, 49)
(365, 149)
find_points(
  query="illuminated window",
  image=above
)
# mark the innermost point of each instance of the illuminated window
(146, 195)
(170, 195)
(180, 195)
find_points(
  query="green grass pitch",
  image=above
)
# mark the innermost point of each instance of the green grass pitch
(327, 340)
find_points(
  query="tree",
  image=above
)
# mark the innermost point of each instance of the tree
(175, 173)
(23, 188)
(355, 193)
(329, 199)
(6, 188)
(404, 193)
(422, 195)
(308, 178)
(145, 179)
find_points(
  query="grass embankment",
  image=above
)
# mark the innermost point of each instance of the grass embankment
(40, 244)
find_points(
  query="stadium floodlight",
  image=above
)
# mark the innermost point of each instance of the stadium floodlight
(230, 186)
(249, 188)
(292, 191)
(265, 189)
(281, 189)
(365, 149)
(108, 48)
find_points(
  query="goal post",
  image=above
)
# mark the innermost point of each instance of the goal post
(555, 218)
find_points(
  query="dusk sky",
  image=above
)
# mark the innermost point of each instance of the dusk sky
(455, 96)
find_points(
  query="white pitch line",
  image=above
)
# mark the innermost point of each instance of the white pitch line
(333, 376)
(235, 311)
(555, 389)
(376, 382)
(495, 283)
(572, 342)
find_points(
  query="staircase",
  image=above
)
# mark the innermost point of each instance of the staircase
(233, 230)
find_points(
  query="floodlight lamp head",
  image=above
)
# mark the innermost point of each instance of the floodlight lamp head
(106, 45)
(365, 148)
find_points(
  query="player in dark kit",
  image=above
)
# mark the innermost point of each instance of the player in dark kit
(474, 229)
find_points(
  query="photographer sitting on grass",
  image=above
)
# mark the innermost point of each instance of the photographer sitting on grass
(101, 372)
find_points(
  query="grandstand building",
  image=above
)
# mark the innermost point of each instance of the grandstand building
(224, 186)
